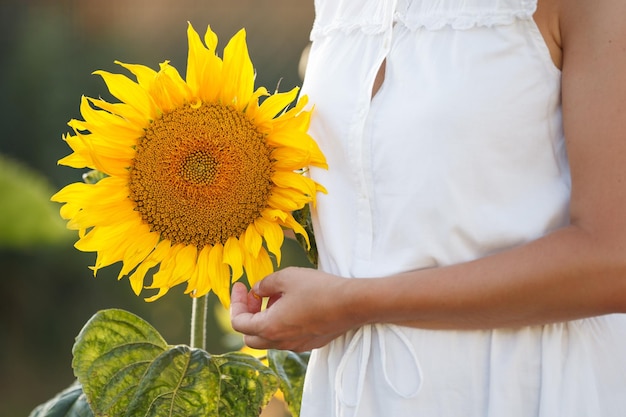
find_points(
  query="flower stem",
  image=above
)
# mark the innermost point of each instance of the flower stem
(199, 314)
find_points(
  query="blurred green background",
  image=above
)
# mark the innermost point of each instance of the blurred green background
(48, 50)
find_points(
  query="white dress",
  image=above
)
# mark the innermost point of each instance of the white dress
(459, 155)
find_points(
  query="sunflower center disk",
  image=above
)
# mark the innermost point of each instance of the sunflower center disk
(199, 167)
(201, 175)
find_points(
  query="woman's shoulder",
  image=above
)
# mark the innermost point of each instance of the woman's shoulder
(578, 16)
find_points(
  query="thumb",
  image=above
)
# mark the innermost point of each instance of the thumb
(268, 286)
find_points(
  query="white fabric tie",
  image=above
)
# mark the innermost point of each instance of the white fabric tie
(363, 337)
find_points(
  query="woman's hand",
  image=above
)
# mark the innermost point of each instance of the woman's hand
(306, 309)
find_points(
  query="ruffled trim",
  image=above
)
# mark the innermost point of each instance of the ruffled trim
(431, 20)
(464, 22)
(346, 28)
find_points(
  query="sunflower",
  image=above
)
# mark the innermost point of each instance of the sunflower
(201, 174)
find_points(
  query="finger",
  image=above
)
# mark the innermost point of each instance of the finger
(238, 299)
(268, 286)
(273, 299)
(255, 302)
(240, 313)
(258, 342)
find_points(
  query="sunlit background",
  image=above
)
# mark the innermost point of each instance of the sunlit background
(48, 50)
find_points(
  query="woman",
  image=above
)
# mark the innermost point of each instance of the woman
(473, 238)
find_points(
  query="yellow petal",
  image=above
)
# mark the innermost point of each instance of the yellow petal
(291, 223)
(296, 117)
(104, 259)
(161, 293)
(210, 39)
(258, 267)
(196, 60)
(67, 193)
(107, 215)
(276, 103)
(108, 125)
(103, 148)
(253, 109)
(145, 75)
(153, 259)
(129, 92)
(290, 159)
(200, 284)
(238, 73)
(107, 190)
(104, 239)
(169, 90)
(103, 122)
(136, 282)
(219, 274)
(123, 110)
(300, 142)
(289, 138)
(68, 211)
(76, 160)
(108, 242)
(203, 68)
(274, 214)
(295, 181)
(273, 235)
(320, 188)
(140, 250)
(287, 200)
(184, 265)
(81, 158)
(233, 256)
(252, 240)
(165, 274)
(111, 166)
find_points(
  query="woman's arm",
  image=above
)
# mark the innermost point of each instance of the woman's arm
(577, 271)
(580, 270)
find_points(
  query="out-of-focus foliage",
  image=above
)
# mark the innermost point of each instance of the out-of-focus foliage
(27, 217)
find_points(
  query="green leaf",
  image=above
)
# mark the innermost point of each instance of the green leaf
(180, 382)
(246, 385)
(290, 368)
(128, 370)
(69, 403)
(303, 216)
(111, 354)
